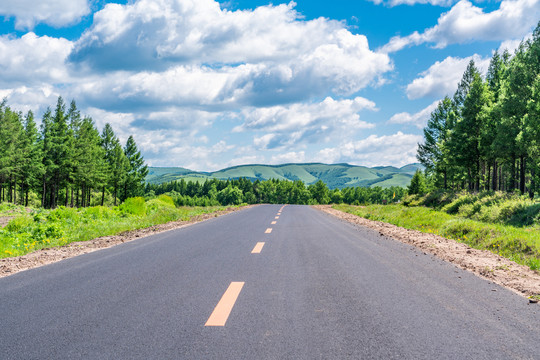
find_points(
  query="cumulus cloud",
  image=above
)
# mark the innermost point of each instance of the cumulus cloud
(289, 157)
(35, 99)
(33, 59)
(442, 78)
(512, 45)
(58, 13)
(413, 2)
(418, 119)
(398, 150)
(253, 57)
(466, 23)
(292, 124)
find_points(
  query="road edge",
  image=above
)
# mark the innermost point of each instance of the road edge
(518, 278)
(13, 265)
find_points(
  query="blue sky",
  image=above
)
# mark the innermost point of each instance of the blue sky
(206, 85)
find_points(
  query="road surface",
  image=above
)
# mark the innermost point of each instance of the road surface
(269, 282)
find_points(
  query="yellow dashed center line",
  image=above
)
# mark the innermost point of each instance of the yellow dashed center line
(277, 217)
(225, 305)
(268, 231)
(258, 248)
(273, 222)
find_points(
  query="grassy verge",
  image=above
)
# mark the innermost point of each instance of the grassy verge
(31, 230)
(520, 244)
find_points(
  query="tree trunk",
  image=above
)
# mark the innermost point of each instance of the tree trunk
(44, 193)
(103, 196)
(532, 189)
(72, 195)
(487, 183)
(478, 174)
(10, 195)
(494, 179)
(522, 168)
(15, 189)
(445, 179)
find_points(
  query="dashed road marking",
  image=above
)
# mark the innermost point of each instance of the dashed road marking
(273, 222)
(258, 248)
(268, 231)
(225, 305)
(277, 217)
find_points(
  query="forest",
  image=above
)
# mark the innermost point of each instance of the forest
(487, 136)
(65, 162)
(233, 192)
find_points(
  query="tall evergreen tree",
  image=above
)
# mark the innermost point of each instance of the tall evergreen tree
(433, 152)
(137, 172)
(32, 166)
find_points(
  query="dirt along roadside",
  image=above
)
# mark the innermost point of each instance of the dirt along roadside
(9, 266)
(483, 263)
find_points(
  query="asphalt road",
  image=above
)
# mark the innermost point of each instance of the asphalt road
(319, 289)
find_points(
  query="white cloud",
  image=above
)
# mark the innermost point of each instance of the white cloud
(260, 57)
(290, 157)
(57, 13)
(296, 123)
(442, 78)
(512, 45)
(35, 99)
(413, 2)
(466, 23)
(397, 150)
(418, 119)
(33, 59)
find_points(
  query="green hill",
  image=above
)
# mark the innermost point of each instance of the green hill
(335, 176)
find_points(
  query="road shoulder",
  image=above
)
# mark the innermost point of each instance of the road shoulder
(483, 263)
(13, 265)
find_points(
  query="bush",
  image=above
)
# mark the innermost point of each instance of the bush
(98, 213)
(19, 223)
(166, 199)
(63, 213)
(134, 206)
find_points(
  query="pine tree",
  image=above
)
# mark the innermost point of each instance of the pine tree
(418, 184)
(119, 170)
(433, 153)
(108, 142)
(137, 172)
(32, 166)
(92, 163)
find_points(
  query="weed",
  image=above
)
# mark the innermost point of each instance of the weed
(519, 244)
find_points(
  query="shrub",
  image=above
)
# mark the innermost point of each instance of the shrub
(19, 223)
(98, 213)
(166, 199)
(134, 206)
(62, 213)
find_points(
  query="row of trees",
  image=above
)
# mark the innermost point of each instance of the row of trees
(66, 161)
(487, 136)
(231, 192)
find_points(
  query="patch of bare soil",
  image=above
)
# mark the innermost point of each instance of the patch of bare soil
(9, 266)
(4, 220)
(483, 263)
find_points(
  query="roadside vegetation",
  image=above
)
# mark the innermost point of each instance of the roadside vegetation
(237, 191)
(502, 223)
(33, 229)
(487, 136)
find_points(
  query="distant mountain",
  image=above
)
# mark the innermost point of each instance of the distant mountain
(335, 176)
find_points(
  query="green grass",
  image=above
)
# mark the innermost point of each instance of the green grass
(37, 229)
(520, 244)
